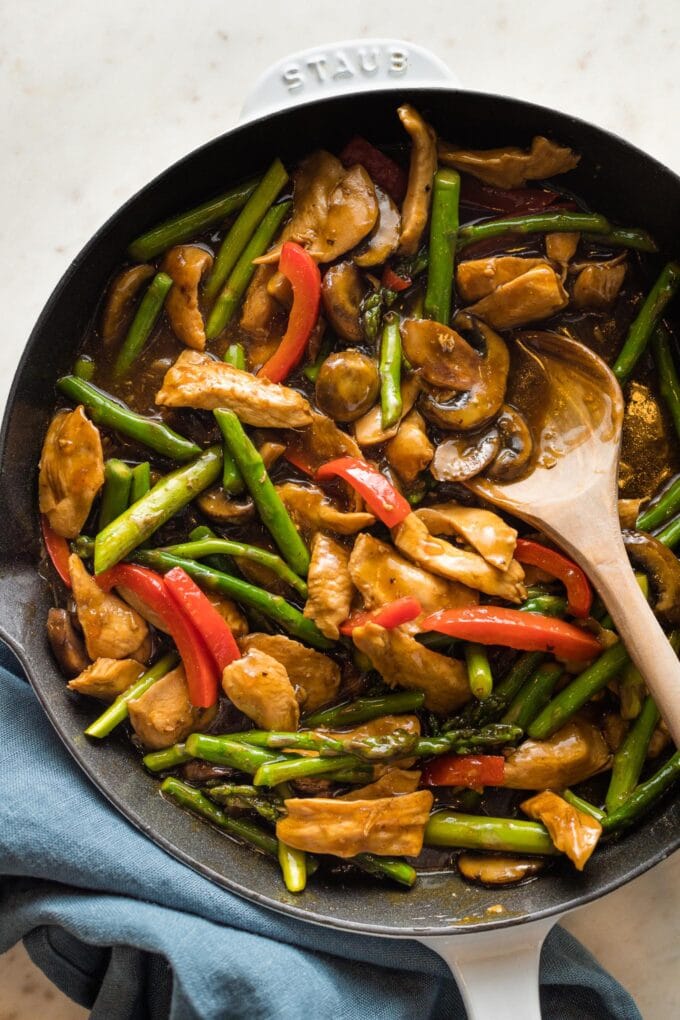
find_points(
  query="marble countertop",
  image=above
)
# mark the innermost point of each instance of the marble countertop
(97, 100)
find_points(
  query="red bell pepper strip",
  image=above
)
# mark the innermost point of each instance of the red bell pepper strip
(389, 616)
(214, 629)
(305, 279)
(387, 174)
(579, 592)
(380, 496)
(392, 281)
(528, 632)
(150, 588)
(505, 200)
(471, 770)
(57, 550)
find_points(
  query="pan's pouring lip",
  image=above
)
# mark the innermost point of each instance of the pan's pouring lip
(14, 558)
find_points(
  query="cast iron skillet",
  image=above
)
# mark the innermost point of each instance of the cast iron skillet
(616, 179)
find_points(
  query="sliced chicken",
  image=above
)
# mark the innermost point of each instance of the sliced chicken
(196, 380)
(404, 662)
(598, 284)
(422, 168)
(107, 678)
(478, 277)
(333, 208)
(442, 357)
(112, 629)
(534, 295)
(572, 831)
(386, 825)
(369, 431)
(186, 264)
(576, 752)
(164, 715)
(561, 247)
(312, 511)
(314, 676)
(511, 167)
(66, 644)
(414, 540)
(483, 530)
(411, 451)
(330, 585)
(259, 306)
(259, 686)
(122, 292)
(322, 441)
(229, 612)
(392, 783)
(71, 471)
(218, 506)
(382, 575)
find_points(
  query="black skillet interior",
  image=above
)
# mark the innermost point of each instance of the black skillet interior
(617, 180)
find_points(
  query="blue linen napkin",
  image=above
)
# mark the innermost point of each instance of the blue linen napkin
(132, 934)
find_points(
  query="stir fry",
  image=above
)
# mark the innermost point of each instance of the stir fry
(268, 560)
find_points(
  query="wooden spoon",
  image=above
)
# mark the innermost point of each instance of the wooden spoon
(571, 496)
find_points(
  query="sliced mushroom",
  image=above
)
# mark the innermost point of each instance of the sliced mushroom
(342, 292)
(71, 471)
(663, 570)
(186, 264)
(66, 645)
(107, 678)
(598, 284)
(629, 511)
(517, 446)
(497, 870)
(122, 292)
(484, 530)
(368, 430)
(323, 441)
(383, 240)
(476, 278)
(572, 831)
(270, 453)
(333, 208)
(462, 457)
(511, 167)
(536, 294)
(422, 168)
(444, 358)
(347, 385)
(482, 402)
(410, 451)
(216, 505)
(574, 753)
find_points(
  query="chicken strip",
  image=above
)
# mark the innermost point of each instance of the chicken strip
(107, 678)
(164, 715)
(315, 675)
(423, 165)
(572, 831)
(330, 585)
(389, 826)
(404, 662)
(535, 295)
(574, 753)
(71, 471)
(410, 451)
(229, 612)
(186, 264)
(413, 539)
(483, 530)
(260, 688)
(392, 783)
(259, 307)
(382, 576)
(121, 294)
(312, 510)
(476, 278)
(511, 167)
(598, 284)
(561, 246)
(196, 380)
(368, 429)
(112, 629)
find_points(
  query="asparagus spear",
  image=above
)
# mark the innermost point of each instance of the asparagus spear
(272, 606)
(547, 605)
(644, 796)
(271, 773)
(626, 237)
(465, 740)
(533, 696)
(563, 706)
(188, 224)
(386, 867)
(220, 546)
(236, 356)
(230, 752)
(273, 513)
(646, 320)
(242, 273)
(667, 374)
(141, 481)
(84, 368)
(630, 757)
(390, 371)
(443, 235)
(532, 223)
(293, 867)
(150, 307)
(477, 713)
(116, 492)
(168, 758)
(311, 371)
(661, 509)
(670, 535)
(632, 691)
(106, 410)
(118, 710)
(231, 476)
(236, 801)
(479, 671)
(167, 497)
(478, 832)
(243, 226)
(365, 709)
(583, 805)
(193, 800)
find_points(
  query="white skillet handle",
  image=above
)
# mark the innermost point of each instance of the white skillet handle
(341, 68)
(497, 971)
